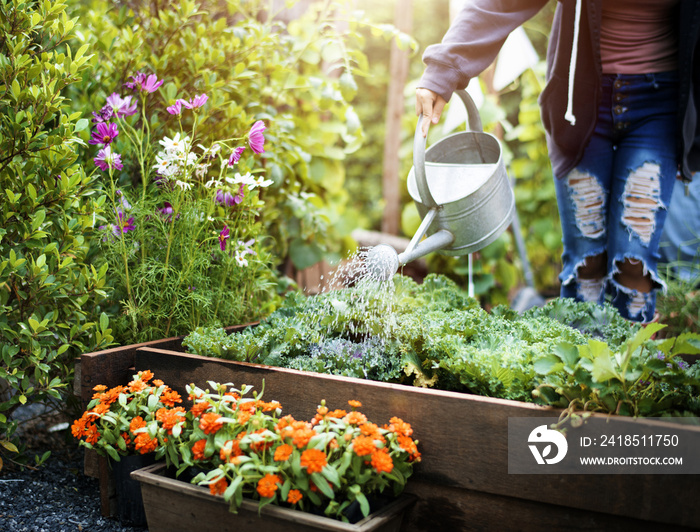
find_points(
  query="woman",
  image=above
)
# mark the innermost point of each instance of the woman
(620, 112)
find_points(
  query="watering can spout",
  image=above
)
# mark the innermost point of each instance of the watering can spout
(383, 261)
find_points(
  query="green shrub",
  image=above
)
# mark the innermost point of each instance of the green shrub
(50, 293)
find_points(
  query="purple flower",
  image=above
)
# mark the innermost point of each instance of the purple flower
(143, 83)
(136, 81)
(256, 139)
(103, 115)
(151, 84)
(104, 133)
(167, 209)
(194, 103)
(176, 108)
(122, 106)
(106, 159)
(235, 155)
(228, 199)
(125, 225)
(223, 237)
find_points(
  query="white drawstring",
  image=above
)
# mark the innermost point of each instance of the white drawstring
(569, 116)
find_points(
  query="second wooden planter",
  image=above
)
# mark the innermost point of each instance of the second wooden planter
(172, 504)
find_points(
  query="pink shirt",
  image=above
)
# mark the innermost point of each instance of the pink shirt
(639, 36)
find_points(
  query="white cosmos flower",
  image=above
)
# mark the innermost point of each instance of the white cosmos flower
(240, 259)
(246, 179)
(176, 144)
(261, 182)
(213, 183)
(183, 185)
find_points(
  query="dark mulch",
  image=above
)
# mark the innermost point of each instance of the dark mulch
(57, 496)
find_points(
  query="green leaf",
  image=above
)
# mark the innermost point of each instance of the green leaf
(81, 124)
(548, 364)
(603, 367)
(364, 503)
(9, 446)
(322, 485)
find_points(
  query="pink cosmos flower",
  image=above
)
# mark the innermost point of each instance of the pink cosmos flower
(104, 133)
(106, 159)
(144, 83)
(151, 84)
(122, 106)
(235, 155)
(256, 139)
(223, 237)
(194, 103)
(176, 108)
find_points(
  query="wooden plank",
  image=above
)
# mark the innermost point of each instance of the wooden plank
(398, 72)
(463, 438)
(448, 508)
(115, 366)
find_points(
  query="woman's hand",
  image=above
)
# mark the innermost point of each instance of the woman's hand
(430, 105)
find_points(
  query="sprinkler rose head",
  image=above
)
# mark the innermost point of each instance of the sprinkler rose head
(382, 262)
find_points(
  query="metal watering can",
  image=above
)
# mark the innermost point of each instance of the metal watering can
(461, 189)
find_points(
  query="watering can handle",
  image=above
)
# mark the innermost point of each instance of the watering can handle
(419, 142)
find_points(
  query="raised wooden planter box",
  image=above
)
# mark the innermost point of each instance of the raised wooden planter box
(172, 504)
(114, 367)
(463, 480)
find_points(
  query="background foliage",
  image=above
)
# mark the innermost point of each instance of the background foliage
(50, 293)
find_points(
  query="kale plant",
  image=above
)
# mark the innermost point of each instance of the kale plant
(433, 335)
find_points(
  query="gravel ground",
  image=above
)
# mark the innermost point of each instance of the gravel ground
(57, 497)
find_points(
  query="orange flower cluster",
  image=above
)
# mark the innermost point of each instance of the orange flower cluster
(241, 440)
(127, 419)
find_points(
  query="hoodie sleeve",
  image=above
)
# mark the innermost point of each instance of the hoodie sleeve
(472, 42)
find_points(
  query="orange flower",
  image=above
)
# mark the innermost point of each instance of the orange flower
(372, 430)
(218, 487)
(100, 388)
(92, 435)
(79, 426)
(294, 496)
(381, 461)
(144, 443)
(170, 397)
(145, 375)
(408, 445)
(283, 452)
(363, 445)
(355, 404)
(302, 435)
(126, 438)
(267, 486)
(399, 426)
(199, 408)
(198, 449)
(210, 423)
(137, 386)
(355, 418)
(158, 383)
(111, 395)
(100, 409)
(136, 423)
(313, 460)
(169, 417)
(285, 422)
(337, 414)
(243, 417)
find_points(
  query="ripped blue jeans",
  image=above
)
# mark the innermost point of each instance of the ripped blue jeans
(614, 203)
